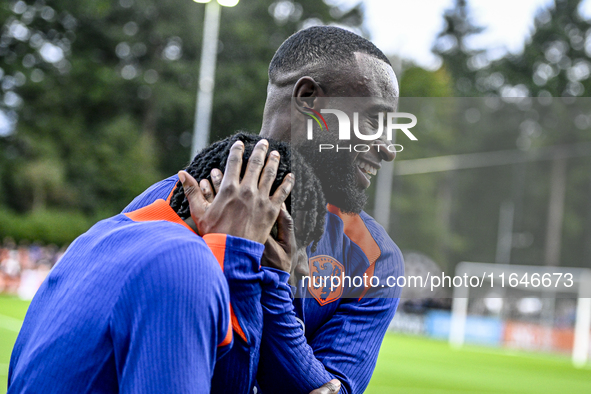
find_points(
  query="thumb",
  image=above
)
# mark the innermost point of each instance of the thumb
(197, 201)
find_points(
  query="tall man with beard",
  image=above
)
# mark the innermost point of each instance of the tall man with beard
(313, 335)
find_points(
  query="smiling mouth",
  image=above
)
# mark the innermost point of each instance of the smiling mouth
(367, 169)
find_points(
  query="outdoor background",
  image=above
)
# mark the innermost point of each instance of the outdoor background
(97, 102)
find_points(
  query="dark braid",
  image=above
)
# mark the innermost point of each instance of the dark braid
(308, 205)
(306, 202)
(216, 156)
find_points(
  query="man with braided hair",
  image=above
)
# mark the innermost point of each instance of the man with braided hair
(311, 338)
(235, 373)
(307, 197)
(139, 304)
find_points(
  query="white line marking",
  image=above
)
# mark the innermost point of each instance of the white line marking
(10, 323)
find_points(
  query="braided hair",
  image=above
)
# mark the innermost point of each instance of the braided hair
(306, 203)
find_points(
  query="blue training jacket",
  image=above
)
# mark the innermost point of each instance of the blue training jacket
(141, 304)
(320, 334)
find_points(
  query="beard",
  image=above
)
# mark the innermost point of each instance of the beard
(336, 173)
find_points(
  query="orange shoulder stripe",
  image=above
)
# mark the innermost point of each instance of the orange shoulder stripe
(228, 339)
(217, 244)
(171, 193)
(160, 210)
(358, 233)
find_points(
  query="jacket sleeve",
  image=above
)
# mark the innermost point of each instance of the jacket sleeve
(346, 347)
(240, 261)
(170, 322)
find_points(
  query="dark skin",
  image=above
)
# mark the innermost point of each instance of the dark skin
(373, 79)
(242, 208)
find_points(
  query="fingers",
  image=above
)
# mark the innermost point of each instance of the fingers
(285, 231)
(269, 173)
(271, 251)
(206, 190)
(270, 243)
(216, 179)
(331, 387)
(274, 256)
(233, 165)
(255, 164)
(197, 201)
(283, 191)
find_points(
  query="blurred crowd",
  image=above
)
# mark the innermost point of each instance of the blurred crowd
(24, 266)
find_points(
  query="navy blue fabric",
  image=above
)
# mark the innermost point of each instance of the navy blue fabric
(132, 307)
(342, 338)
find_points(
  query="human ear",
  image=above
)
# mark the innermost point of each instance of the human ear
(306, 92)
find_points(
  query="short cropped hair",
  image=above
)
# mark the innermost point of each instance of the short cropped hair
(320, 45)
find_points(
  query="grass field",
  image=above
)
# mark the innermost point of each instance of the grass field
(12, 313)
(413, 365)
(423, 366)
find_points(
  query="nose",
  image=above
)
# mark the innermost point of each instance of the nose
(381, 145)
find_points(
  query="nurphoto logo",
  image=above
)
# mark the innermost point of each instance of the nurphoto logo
(344, 129)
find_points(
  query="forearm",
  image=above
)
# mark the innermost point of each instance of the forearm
(287, 360)
(240, 260)
(345, 347)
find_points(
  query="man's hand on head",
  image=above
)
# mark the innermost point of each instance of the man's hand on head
(280, 244)
(241, 208)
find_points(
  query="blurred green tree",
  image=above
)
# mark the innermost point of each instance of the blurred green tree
(419, 222)
(555, 62)
(98, 97)
(452, 47)
(556, 59)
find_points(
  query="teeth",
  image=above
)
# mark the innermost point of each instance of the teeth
(368, 168)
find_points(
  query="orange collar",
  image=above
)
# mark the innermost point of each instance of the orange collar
(158, 210)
